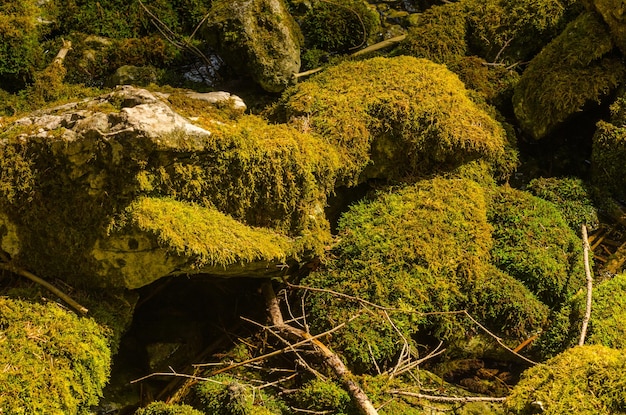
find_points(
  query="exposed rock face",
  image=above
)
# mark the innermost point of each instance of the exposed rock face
(256, 37)
(110, 191)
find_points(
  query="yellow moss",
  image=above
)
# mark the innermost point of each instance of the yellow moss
(211, 237)
(394, 116)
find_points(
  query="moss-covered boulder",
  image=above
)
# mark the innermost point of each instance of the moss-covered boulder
(258, 38)
(614, 14)
(534, 244)
(162, 408)
(576, 68)
(582, 380)
(394, 117)
(105, 191)
(53, 362)
(417, 250)
(339, 26)
(608, 157)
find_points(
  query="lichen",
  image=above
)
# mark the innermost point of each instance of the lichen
(392, 117)
(53, 361)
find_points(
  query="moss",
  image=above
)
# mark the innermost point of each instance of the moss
(571, 196)
(162, 408)
(556, 84)
(53, 361)
(582, 380)
(608, 313)
(393, 117)
(534, 244)
(419, 249)
(320, 395)
(609, 152)
(207, 235)
(339, 26)
(438, 34)
(224, 395)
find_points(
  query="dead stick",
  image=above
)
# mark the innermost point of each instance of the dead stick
(19, 271)
(583, 330)
(359, 397)
(447, 399)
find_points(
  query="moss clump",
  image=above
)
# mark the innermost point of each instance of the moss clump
(571, 196)
(338, 26)
(207, 235)
(419, 249)
(53, 361)
(390, 117)
(224, 395)
(534, 244)
(162, 408)
(608, 319)
(609, 151)
(582, 380)
(556, 84)
(323, 396)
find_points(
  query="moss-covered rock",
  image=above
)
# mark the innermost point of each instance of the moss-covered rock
(582, 380)
(418, 249)
(82, 165)
(577, 67)
(393, 117)
(258, 38)
(571, 196)
(614, 14)
(53, 361)
(338, 26)
(162, 408)
(609, 151)
(224, 395)
(534, 244)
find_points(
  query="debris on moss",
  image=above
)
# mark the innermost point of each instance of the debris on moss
(224, 395)
(582, 380)
(534, 244)
(53, 361)
(162, 408)
(392, 117)
(556, 84)
(419, 249)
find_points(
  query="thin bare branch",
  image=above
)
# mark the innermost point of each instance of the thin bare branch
(589, 278)
(447, 399)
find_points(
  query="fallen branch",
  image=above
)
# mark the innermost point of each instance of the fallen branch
(447, 399)
(344, 375)
(583, 330)
(8, 265)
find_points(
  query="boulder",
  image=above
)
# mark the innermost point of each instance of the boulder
(614, 14)
(258, 38)
(121, 190)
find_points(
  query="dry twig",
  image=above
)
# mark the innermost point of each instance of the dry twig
(447, 399)
(589, 278)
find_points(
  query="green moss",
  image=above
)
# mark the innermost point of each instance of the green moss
(319, 395)
(609, 152)
(394, 116)
(533, 243)
(419, 249)
(438, 34)
(339, 26)
(162, 408)
(575, 68)
(53, 361)
(583, 380)
(224, 395)
(571, 196)
(207, 235)
(608, 313)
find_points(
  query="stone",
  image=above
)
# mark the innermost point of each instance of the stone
(133, 75)
(258, 38)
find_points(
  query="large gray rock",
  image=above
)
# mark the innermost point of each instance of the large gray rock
(122, 190)
(256, 37)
